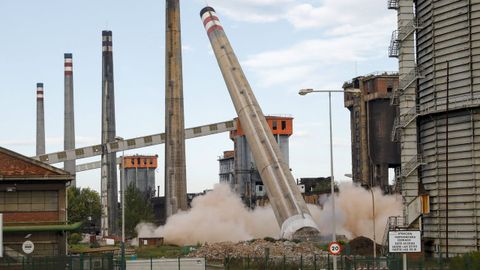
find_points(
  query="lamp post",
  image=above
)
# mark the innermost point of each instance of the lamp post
(304, 92)
(373, 214)
(122, 196)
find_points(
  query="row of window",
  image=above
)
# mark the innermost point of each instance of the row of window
(28, 201)
(282, 123)
(140, 161)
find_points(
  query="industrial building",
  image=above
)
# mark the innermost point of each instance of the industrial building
(371, 120)
(438, 48)
(237, 167)
(140, 171)
(33, 203)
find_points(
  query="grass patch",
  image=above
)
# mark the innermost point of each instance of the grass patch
(159, 252)
(78, 248)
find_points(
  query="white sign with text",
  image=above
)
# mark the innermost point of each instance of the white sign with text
(404, 242)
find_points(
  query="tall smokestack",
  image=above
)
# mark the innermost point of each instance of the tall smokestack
(175, 168)
(69, 125)
(109, 167)
(287, 203)
(40, 121)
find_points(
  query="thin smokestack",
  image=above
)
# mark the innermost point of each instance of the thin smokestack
(40, 120)
(109, 197)
(69, 125)
(175, 168)
(287, 203)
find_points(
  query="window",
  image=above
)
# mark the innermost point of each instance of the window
(389, 89)
(274, 125)
(284, 125)
(28, 201)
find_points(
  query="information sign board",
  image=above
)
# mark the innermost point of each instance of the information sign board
(404, 242)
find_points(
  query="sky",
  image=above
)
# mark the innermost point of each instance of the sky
(283, 46)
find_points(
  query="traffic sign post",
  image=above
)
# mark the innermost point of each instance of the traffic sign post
(335, 248)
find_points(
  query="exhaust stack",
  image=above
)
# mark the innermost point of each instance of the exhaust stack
(288, 205)
(175, 168)
(40, 121)
(69, 125)
(109, 190)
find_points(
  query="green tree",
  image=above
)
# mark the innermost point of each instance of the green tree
(83, 205)
(138, 208)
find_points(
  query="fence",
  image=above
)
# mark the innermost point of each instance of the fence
(306, 262)
(80, 262)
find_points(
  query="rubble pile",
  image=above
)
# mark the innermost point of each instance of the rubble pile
(255, 249)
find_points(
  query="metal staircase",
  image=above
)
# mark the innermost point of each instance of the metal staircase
(394, 223)
(412, 165)
(408, 29)
(392, 4)
(394, 48)
(407, 80)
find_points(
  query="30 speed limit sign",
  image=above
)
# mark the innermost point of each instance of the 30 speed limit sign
(334, 248)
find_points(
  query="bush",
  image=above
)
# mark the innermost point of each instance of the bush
(469, 261)
(74, 238)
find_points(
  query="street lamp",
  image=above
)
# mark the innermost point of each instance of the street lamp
(303, 92)
(122, 196)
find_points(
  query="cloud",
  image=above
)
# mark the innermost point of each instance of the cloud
(316, 60)
(342, 36)
(256, 11)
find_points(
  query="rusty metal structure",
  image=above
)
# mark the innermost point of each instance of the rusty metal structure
(371, 119)
(287, 203)
(175, 168)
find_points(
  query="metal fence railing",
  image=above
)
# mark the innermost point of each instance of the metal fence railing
(73, 262)
(303, 262)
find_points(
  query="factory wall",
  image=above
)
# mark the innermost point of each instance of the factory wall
(448, 108)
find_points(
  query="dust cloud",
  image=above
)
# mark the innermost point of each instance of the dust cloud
(220, 216)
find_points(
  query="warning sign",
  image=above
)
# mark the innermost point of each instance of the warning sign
(404, 242)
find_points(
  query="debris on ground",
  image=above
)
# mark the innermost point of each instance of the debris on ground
(256, 248)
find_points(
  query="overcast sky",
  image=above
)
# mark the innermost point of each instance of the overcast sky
(283, 45)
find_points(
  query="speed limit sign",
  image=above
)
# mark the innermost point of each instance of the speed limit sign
(334, 248)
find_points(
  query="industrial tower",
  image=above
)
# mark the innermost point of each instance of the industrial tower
(40, 121)
(439, 99)
(109, 190)
(371, 119)
(175, 168)
(69, 124)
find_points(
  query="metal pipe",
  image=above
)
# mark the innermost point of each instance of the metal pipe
(175, 168)
(40, 121)
(69, 124)
(287, 203)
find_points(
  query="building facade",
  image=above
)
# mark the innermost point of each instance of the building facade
(238, 168)
(139, 170)
(371, 121)
(437, 45)
(33, 202)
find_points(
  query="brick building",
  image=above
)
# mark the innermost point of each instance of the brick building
(33, 203)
